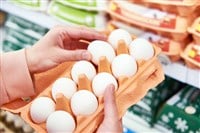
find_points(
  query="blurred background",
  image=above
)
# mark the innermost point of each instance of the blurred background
(174, 26)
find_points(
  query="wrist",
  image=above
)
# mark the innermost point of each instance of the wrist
(30, 60)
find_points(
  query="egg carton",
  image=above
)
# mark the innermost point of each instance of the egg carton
(192, 57)
(14, 122)
(195, 30)
(168, 25)
(183, 8)
(94, 5)
(38, 5)
(130, 90)
(75, 17)
(174, 48)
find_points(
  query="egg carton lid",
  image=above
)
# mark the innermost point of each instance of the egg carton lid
(180, 22)
(175, 2)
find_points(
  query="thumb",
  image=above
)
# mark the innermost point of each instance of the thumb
(110, 108)
(73, 55)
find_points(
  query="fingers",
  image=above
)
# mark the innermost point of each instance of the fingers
(77, 33)
(73, 55)
(75, 45)
(110, 108)
(90, 34)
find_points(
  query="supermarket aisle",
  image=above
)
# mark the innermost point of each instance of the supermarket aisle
(173, 105)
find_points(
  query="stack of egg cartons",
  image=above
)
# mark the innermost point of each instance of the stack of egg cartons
(162, 22)
(191, 54)
(37, 5)
(21, 33)
(79, 12)
(148, 107)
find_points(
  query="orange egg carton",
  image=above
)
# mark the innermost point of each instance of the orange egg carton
(191, 55)
(169, 47)
(162, 23)
(130, 91)
(195, 30)
(183, 8)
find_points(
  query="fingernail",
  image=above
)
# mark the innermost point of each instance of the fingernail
(86, 55)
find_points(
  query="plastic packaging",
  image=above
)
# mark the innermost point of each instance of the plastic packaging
(162, 23)
(195, 30)
(73, 16)
(191, 55)
(181, 7)
(169, 47)
(91, 5)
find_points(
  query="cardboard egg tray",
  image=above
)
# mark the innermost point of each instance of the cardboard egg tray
(191, 62)
(174, 48)
(195, 30)
(175, 27)
(183, 8)
(130, 90)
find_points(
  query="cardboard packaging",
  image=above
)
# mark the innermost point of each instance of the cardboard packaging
(148, 107)
(191, 55)
(170, 48)
(181, 113)
(130, 91)
(163, 23)
(183, 8)
(194, 29)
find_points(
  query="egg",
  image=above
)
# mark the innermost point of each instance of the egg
(84, 103)
(141, 49)
(60, 122)
(119, 34)
(101, 48)
(101, 81)
(83, 67)
(41, 108)
(124, 65)
(65, 86)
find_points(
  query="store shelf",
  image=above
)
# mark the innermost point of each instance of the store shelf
(182, 73)
(138, 125)
(177, 71)
(37, 17)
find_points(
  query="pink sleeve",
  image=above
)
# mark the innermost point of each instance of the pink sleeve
(15, 79)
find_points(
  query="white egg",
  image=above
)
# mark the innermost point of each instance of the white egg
(84, 103)
(141, 49)
(101, 81)
(60, 122)
(124, 65)
(119, 34)
(65, 86)
(41, 108)
(83, 67)
(101, 48)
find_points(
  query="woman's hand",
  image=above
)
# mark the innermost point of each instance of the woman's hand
(111, 122)
(60, 44)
